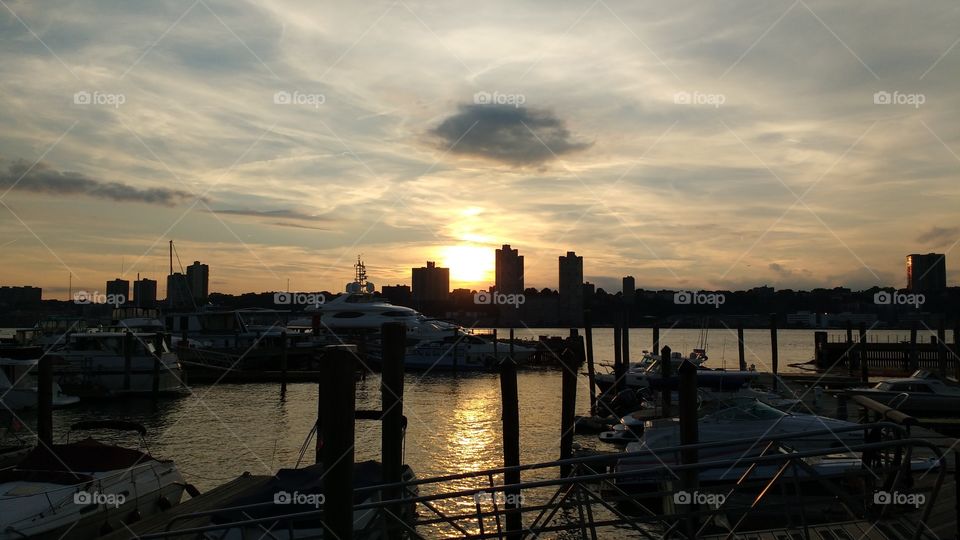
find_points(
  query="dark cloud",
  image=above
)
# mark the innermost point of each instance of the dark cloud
(508, 134)
(44, 179)
(940, 236)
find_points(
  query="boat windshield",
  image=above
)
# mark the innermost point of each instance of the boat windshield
(746, 410)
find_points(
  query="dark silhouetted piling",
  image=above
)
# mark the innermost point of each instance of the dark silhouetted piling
(511, 444)
(656, 337)
(850, 354)
(665, 373)
(591, 371)
(774, 351)
(45, 400)
(689, 435)
(127, 358)
(942, 347)
(956, 351)
(740, 352)
(337, 410)
(511, 344)
(568, 407)
(618, 370)
(283, 361)
(626, 339)
(391, 390)
(914, 353)
(862, 355)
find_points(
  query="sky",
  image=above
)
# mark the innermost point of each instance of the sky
(794, 143)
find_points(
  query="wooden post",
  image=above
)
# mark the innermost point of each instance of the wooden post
(862, 355)
(511, 344)
(665, 373)
(956, 351)
(689, 435)
(337, 406)
(740, 351)
(626, 340)
(618, 370)
(127, 358)
(656, 337)
(914, 353)
(283, 362)
(391, 391)
(849, 351)
(774, 350)
(496, 349)
(568, 407)
(591, 373)
(45, 400)
(942, 347)
(511, 445)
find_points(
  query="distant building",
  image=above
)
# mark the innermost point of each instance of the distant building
(926, 273)
(20, 297)
(198, 281)
(178, 291)
(119, 288)
(571, 290)
(430, 283)
(589, 291)
(397, 294)
(145, 293)
(509, 270)
(629, 289)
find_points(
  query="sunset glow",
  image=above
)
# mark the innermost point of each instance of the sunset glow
(470, 266)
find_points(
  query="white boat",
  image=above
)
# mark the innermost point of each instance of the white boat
(93, 363)
(923, 394)
(84, 489)
(18, 386)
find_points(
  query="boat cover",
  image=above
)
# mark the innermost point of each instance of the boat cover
(84, 456)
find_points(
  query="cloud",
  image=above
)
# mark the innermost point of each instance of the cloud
(513, 135)
(285, 213)
(939, 236)
(44, 179)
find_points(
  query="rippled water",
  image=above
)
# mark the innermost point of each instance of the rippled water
(221, 431)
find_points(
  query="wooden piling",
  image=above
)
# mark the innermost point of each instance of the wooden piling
(496, 349)
(568, 407)
(850, 353)
(740, 352)
(656, 337)
(774, 351)
(618, 371)
(862, 355)
(337, 410)
(283, 362)
(127, 358)
(956, 351)
(591, 372)
(914, 353)
(626, 339)
(689, 435)
(391, 391)
(45, 400)
(511, 344)
(942, 347)
(511, 445)
(665, 373)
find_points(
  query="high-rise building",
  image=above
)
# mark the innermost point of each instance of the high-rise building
(509, 270)
(178, 291)
(119, 288)
(926, 273)
(430, 283)
(397, 294)
(18, 297)
(198, 280)
(145, 293)
(629, 289)
(571, 290)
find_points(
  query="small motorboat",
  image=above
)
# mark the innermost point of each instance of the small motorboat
(922, 394)
(18, 386)
(85, 489)
(647, 374)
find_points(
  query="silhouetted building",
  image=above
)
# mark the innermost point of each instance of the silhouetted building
(629, 289)
(430, 283)
(571, 290)
(198, 281)
(509, 270)
(926, 273)
(397, 294)
(178, 291)
(145, 293)
(20, 297)
(119, 288)
(589, 291)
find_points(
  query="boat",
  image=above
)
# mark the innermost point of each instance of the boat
(921, 394)
(94, 364)
(85, 489)
(18, 386)
(647, 374)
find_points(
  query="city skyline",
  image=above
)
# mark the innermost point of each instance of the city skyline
(691, 146)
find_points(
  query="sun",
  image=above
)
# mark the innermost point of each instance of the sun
(471, 265)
